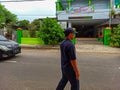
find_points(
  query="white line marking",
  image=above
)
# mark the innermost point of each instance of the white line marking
(11, 61)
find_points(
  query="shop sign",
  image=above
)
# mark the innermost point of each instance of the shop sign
(80, 10)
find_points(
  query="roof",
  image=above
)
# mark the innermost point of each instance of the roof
(114, 21)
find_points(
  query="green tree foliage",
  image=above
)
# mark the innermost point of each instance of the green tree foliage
(36, 23)
(32, 31)
(24, 24)
(51, 32)
(115, 36)
(112, 14)
(6, 17)
(2, 17)
(34, 26)
(10, 18)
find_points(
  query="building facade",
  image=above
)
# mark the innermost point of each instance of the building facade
(86, 15)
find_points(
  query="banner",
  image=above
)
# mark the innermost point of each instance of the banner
(80, 10)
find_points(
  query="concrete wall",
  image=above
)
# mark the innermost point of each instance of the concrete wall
(98, 4)
(97, 14)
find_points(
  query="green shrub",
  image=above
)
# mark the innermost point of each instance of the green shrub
(51, 32)
(115, 37)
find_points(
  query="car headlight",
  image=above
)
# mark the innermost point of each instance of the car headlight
(4, 48)
(16, 45)
(9, 46)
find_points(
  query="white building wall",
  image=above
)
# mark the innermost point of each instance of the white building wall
(101, 10)
(101, 4)
(98, 4)
(97, 14)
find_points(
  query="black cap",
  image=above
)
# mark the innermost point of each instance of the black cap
(68, 31)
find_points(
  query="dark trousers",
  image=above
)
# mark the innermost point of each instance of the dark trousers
(68, 75)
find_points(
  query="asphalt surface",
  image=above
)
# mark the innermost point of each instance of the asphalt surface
(39, 69)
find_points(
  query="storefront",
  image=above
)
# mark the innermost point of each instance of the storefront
(87, 16)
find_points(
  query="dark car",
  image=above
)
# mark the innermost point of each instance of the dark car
(12, 45)
(5, 52)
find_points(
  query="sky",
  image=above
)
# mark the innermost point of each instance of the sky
(31, 10)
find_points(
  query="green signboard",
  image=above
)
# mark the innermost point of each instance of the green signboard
(19, 35)
(107, 32)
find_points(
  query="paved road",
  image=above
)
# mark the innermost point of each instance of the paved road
(39, 69)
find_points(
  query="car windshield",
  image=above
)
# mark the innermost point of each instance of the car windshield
(2, 38)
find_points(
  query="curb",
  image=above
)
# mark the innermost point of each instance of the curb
(39, 46)
(79, 48)
(97, 49)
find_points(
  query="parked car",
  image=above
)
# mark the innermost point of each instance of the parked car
(12, 45)
(5, 52)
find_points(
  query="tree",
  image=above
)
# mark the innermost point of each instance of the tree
(115, 36)
(36, 23)
(112, 14)
(7, 19)
(6, 16)
(10, 18)
(24, 24)
(34, 27)
(51, 32)
(2, 17)
(32, 30)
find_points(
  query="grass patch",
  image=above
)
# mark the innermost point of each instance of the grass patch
(32, 41)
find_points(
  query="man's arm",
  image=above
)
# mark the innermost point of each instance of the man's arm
(74, 64)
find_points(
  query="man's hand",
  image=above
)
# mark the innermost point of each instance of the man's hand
(74, 64)
(77, 75)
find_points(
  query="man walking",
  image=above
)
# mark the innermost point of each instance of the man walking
(69, 67)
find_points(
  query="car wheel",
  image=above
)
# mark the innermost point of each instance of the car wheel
(5, 55)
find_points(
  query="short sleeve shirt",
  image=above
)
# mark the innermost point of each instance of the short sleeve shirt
(67, 53)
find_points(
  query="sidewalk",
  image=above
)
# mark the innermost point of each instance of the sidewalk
(97, 48)
(81, 46)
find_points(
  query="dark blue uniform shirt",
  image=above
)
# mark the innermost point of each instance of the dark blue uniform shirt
(67, 54)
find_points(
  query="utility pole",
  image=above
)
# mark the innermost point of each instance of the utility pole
(110, 11)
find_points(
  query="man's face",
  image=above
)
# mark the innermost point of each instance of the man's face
(71, 36)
